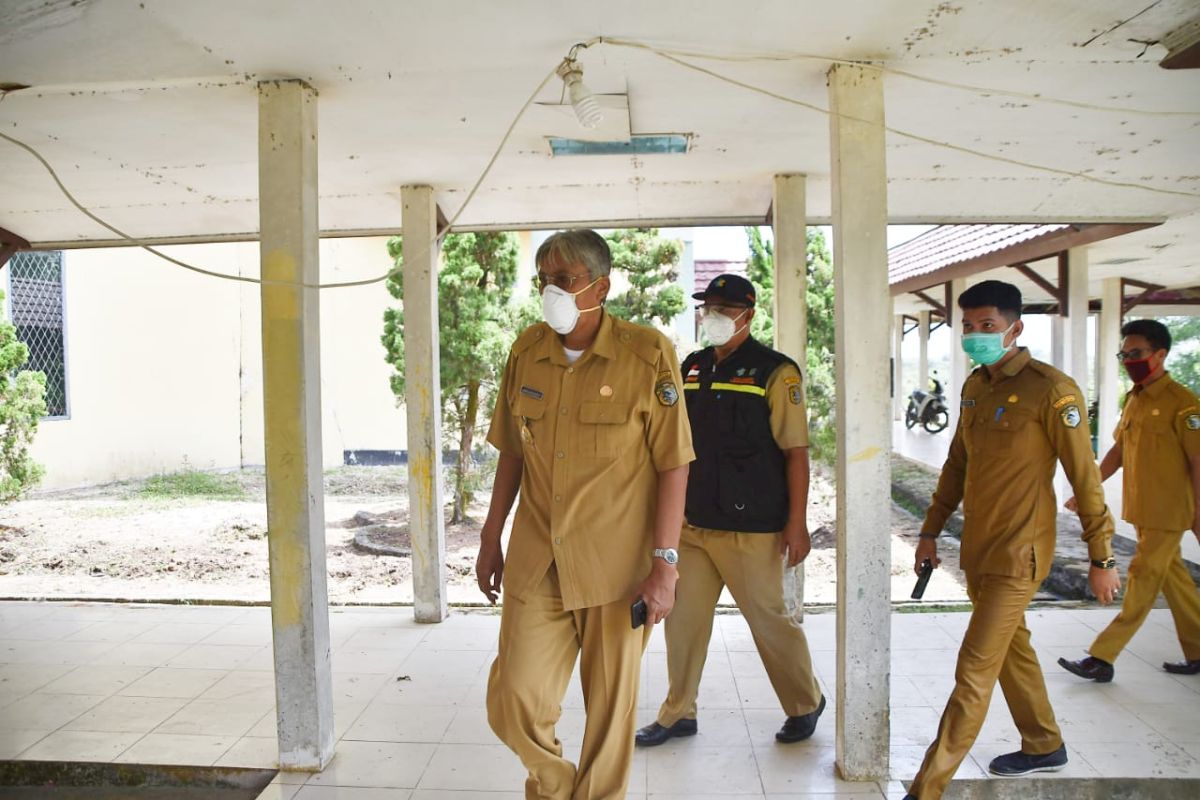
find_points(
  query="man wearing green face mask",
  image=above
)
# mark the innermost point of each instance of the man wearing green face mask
(1019, 417)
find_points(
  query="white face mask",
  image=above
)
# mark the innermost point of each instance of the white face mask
(719, 328)
(559, 309)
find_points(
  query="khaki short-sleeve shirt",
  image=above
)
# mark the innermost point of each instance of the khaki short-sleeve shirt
(1159, 432)
(789, 416)
(1015, 423)
(593, 437)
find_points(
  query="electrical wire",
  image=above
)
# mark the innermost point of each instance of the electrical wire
(676, 57)
(986, 91)
(908, 134)
(266, 282)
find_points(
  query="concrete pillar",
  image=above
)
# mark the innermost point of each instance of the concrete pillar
(923, 326)
(789, 228)
(1076, 324)
(862, 308)
(685, 323)
(287, 187)
(1108, 380)
(423, 401)
(898, 400)
(960, 365)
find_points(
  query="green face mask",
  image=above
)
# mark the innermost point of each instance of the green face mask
(986, 348)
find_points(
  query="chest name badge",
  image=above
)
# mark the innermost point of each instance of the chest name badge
(529, 391)
(666, 392)
(968, 403)
(1070, 416)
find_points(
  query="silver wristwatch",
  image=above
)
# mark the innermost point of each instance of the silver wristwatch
(667, 554)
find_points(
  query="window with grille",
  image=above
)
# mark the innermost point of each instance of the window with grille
(35, 296)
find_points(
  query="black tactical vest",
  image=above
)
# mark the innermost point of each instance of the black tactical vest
(738, 481)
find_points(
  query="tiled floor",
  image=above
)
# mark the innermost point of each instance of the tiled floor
(193, 685)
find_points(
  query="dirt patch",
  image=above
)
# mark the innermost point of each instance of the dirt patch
(115, 542)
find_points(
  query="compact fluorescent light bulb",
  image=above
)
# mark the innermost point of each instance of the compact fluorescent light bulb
(587, 110)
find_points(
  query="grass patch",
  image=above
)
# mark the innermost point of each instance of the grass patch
(193, 483)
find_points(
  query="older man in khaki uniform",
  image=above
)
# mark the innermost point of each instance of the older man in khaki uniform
(1018, 417)
(590, 427)
(1158, 445)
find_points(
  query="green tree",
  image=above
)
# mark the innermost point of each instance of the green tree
(477, 325)
(651, 265)
(1184, 359)
(22, 405)
(819, 378)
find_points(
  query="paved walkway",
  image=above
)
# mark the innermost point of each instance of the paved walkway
(193, 685)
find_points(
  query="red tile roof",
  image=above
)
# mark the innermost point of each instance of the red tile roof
(707, 269)
(947, 245)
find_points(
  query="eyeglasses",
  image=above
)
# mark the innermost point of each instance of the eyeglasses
(562, 280)
(1136, 354)
(704, 309)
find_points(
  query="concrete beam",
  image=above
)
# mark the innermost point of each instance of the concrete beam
(1076, 325)
(960, 365)
(923, 326)
(862, 309)
(291, 326)
(1108, 384)
(898, 400)
(789, 228)
(423, 400)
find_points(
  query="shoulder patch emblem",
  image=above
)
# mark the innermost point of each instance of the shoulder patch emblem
(1193, 422)
(796, 394)
(791, 380)
(666, 392)
(1070, 416)
(529, 391)
(1066, 399)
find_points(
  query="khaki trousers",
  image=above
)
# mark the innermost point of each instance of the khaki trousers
(750, 565)
(1157, 566)
(995, 646)
(539, 643)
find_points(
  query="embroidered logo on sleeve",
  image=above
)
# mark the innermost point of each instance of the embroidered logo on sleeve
(1070, 416)
(1066, 399)
(796, 395)
(666, 392)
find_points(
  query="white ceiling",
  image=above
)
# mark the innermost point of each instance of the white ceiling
(148, 111)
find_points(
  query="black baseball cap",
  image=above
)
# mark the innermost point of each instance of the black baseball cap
(731, 288)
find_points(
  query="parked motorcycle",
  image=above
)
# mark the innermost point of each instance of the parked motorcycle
(928, 408)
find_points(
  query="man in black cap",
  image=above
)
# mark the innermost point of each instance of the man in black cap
(745, 514)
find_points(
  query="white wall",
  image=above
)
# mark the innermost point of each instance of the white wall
(164, 366)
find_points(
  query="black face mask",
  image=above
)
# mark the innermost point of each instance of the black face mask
(1138, 370)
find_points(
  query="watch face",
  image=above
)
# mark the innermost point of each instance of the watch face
(668, 554)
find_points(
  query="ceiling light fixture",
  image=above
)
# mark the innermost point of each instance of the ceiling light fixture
(587, 109)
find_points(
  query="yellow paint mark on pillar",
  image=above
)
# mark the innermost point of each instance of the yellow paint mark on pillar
(865, 455)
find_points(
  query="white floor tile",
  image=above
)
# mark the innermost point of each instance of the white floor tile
(48, 711)
(376, 764)
(80, 746)
(168, 682)
(473, 767)
(171, 748)
(127, 714)
(95, 680)
(380, 723)
(15, 740)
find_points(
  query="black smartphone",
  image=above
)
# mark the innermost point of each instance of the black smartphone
(922, 579)
(637, 613)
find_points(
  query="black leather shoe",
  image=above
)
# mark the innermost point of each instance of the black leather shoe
(654, 734)
(1011, 765)
(1183, 667)
(797, 729)
(1092, 668)
(910, 797)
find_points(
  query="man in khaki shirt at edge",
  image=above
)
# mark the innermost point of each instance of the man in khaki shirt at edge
(1018, 417)
(1158, 444)
(591, 430)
